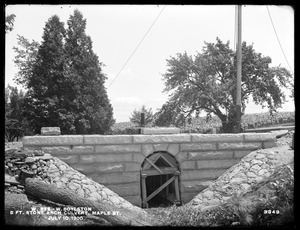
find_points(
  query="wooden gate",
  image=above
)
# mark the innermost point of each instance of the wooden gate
(158, 164)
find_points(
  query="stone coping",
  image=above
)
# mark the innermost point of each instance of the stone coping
(141, 139)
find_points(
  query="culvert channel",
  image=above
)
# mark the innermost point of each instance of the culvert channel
(160, 180)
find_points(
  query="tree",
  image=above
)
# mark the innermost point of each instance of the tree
(207, 82)
(45, 80)
(10, 123)
(16, 125)
(9, 22)
(64, 80)
(94, 113)
(136, 116)
(25, 59)
(169, 114)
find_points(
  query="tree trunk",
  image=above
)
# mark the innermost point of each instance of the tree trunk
(227, 126)
(41, 190)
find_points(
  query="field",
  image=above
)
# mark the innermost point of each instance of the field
(202, 125)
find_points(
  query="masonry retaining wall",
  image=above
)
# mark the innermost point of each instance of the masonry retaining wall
(115, 161)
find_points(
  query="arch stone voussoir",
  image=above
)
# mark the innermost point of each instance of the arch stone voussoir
(147, 149)
(160, 147)
(173, 149)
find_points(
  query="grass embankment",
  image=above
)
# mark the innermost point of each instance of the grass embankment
(268, 203)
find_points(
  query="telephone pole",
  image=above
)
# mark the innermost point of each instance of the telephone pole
(239, 71)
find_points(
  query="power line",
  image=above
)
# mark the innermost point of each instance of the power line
(137, 46)
(279, 40)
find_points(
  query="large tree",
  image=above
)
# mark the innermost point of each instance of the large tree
(86, 80)
(64, 80)
(46, 82)
(207, 82)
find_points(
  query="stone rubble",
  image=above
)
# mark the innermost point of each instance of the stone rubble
(252, 169)
(54, 171)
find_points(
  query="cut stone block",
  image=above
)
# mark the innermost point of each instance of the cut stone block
(105, 158)
(135, 200)
(269, 144)
(175, 138)
(132, 167)
(50, 131)
(69, 159)
(241, 153)
(207, 155)
(138, 158)
(173, 149)
(188, 196)
(107, 139)
(217, 137)
(52, 140)
(160, 147)
(99, 167)
(160, 130)
(240, 145)
(260, 137)
(198, 146)
(201, 174)
(206, 164)
(147, 149)
(188, 165)
(181, 156)
(116, 178)
(57, 150)
(118, 149)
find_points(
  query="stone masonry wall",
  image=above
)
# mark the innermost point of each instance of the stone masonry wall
(115, 161)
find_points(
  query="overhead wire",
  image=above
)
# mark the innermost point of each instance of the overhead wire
(279, 40)
(137, 46)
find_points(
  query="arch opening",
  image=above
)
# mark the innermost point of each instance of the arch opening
(160, 181)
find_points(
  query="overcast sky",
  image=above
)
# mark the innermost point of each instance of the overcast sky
(116, 31)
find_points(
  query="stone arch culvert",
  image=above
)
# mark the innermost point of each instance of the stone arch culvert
(122, 162)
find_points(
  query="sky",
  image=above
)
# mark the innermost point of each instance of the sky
(134, 42)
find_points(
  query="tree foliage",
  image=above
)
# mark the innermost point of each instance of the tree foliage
(136, 116)
(207, 82)
(94, 111)
(64, 79)
(25, 59)
(169, 114)
(45, 78)
(16, 125)
(9, 22)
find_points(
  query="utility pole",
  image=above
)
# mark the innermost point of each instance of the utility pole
(142, 123)
(239, 71)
